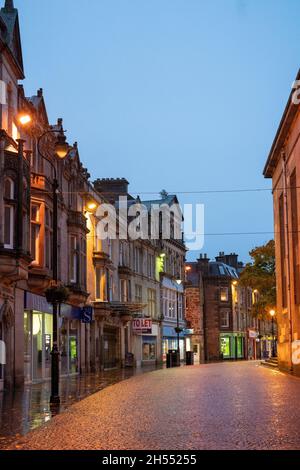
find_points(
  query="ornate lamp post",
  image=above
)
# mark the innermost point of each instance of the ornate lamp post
(55, 295)
(272, 313)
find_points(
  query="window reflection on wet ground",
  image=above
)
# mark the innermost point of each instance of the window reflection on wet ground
(24, 410)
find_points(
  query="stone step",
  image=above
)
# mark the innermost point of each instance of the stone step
(272, 362)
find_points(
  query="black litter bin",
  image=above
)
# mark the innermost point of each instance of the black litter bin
(189, 358)
(173, 358)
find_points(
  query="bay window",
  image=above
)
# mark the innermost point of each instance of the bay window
(9, 213)
(73, 259)
(48, 238)
(101, 284)
(35, 233)
(123, 290)
(152, 303)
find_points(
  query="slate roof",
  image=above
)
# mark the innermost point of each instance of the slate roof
(222, 270)
(11, 35)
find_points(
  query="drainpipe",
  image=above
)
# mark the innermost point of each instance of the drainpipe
(286, 226)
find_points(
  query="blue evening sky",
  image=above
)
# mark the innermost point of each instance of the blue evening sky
(184, 95)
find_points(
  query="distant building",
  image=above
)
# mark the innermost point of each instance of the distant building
(218, 310)
(143, 286)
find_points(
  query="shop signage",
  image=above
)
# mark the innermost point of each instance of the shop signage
(253, 334)
(87, 314)
(142, 326)
(40, 304)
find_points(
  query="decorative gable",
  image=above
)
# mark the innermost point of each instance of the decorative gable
(9, 16)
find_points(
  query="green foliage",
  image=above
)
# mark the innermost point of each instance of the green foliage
(260, 275)
(57, 294)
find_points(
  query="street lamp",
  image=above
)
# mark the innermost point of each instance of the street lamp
(272, 313)
(178, 329)
(61, 149)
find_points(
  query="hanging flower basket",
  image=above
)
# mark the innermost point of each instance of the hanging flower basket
(57, 294)
(178, 330)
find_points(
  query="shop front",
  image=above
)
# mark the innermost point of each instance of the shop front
(111, 356)
(264, 348)
(38, 336)
(232, 346)
(146, 334)
(170, 341)
(253, 345)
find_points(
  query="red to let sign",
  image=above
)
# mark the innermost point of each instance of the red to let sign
(142, 326)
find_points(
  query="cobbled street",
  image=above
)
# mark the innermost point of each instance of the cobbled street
(216, 406)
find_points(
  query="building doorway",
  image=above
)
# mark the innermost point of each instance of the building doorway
(110, 348)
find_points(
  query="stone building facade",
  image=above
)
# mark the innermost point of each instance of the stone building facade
(219, 311)
(26, 228)
(146, 271)
(283, 167)
(115, 284)
(194, 315)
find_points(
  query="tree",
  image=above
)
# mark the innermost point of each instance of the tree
(260, 275)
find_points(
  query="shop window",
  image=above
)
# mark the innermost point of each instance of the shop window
(149, 348)
(225, 346)
(224, 294)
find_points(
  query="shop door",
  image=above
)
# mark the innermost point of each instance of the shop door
(110, 349)
(37, 346)
(196, 351)
(73, 354)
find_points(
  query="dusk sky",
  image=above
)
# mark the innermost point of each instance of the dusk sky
(182, 95)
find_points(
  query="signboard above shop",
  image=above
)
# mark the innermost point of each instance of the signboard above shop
(142, 326)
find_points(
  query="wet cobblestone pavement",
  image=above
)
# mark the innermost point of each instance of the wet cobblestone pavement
(24, 410)
(216, 406)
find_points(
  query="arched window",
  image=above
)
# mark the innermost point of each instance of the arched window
(9, 189)
(9, 213)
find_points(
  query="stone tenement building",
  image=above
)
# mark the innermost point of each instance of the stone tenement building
(283, 166)
(218, 310)
(147, 274)
(111, 282)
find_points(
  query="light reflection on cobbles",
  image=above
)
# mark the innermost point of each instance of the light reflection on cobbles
(24, 410)
(215, 406)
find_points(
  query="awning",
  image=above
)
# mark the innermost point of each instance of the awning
(40, 304)
(169, 332)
